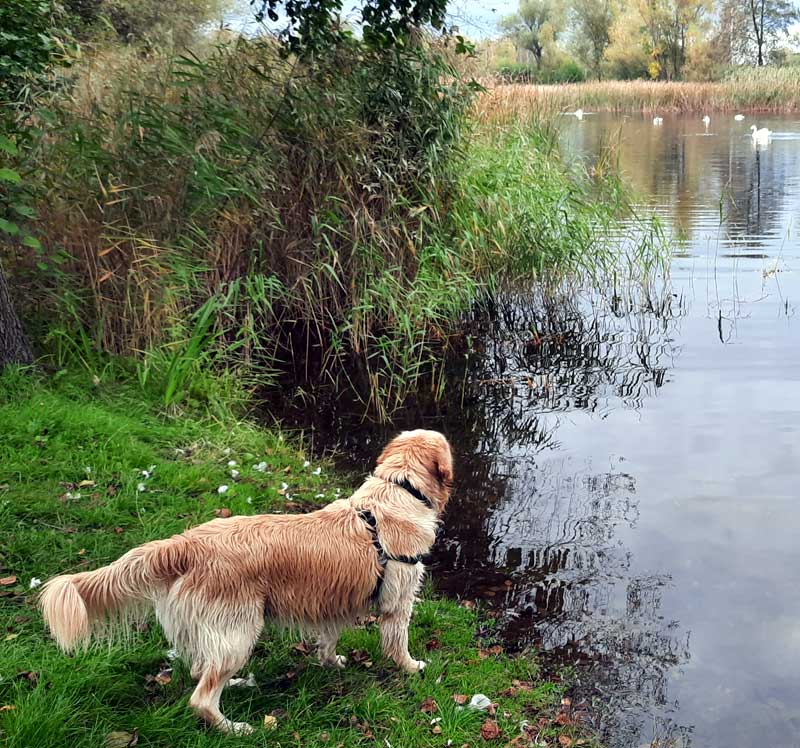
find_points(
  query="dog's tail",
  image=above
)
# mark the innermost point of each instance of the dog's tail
(75, 606)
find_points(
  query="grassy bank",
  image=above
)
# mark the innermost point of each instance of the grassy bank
(88, 471)
(770, 89)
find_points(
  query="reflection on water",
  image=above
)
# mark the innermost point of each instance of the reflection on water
(628, 463)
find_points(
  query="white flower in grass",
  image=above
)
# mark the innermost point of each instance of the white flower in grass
(222, 489)
(141, 488)
(318, 471)
(35, 582)
(320, 496)
(234, 474)
(231, 463)
(260, 467)
(306, 463)
(284, 486)
(87, 470)
(249, 499)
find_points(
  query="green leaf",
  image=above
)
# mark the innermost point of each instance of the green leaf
(24, 210)
(42, 266)
(8, 145)
(9, 227)
(9, 175)
(32, 241)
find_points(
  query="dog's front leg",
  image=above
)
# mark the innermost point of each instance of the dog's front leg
(394, 640)
(401, 583)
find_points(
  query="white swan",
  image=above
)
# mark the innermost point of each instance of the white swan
(658, 121)
(706, 121)
(738, 117)
(761, 136)
(579, 113)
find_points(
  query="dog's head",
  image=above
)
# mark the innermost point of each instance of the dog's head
(424, 459)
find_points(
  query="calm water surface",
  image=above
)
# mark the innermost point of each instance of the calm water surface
(628, 493)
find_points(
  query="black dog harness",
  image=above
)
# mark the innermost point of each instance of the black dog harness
(383, 556)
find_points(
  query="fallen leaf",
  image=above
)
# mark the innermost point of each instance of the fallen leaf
(119, 530)
(460, 698)
(429, 706)
(436, 729)
(10, 637)
(509, 693)
(490, 730)
(562, 718)
(495, 649)
(21, 619)
(565, 741)
(224, 512)
(29, 675)
(164, 677)
(324, 737)
(522, 685)
(433, 644)
(7, 581)
(468, 604)
(121, 739)
(7, 708)
(566, 701)
(86, 484)
(270, 721)
(301, 647)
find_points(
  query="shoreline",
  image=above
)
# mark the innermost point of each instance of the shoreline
(92, 470)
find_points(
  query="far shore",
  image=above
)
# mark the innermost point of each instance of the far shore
(774, 90)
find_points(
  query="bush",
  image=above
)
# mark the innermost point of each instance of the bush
(301, 195)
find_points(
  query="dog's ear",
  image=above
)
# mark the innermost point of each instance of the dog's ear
(443, 466)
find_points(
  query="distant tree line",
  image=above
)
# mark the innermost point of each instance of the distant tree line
(659, 39)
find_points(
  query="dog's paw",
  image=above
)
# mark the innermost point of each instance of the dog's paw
(416, 666)
(337, 661)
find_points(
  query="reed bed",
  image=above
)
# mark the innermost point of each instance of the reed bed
(300, 226)
(766, 89)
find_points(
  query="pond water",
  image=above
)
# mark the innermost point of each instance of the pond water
(628, 465)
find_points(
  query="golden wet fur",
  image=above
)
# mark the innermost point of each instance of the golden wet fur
(213, 586)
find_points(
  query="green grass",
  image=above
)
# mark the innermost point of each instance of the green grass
(57, 432)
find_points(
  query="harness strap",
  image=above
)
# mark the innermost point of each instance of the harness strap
(383, 556)
(415, 492)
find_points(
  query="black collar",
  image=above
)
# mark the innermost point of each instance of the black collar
(415, 492)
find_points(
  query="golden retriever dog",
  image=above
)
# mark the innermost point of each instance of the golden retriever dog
(213, 586)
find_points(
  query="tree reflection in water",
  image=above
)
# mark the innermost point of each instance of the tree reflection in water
(536, 535)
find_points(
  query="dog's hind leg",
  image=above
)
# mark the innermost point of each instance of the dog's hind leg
(217, 637)
(326, 646)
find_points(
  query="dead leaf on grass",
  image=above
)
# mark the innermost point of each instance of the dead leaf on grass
(495, 649)
(460, 698)
(490, 730)
(122, 739)
(429, 706)
(8, 581)
(223, 512)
